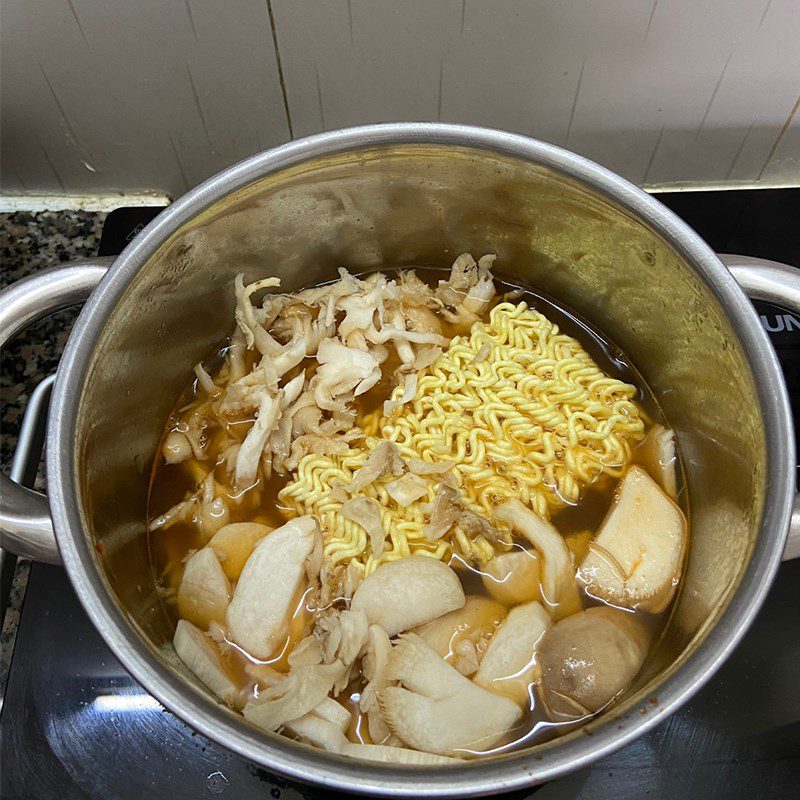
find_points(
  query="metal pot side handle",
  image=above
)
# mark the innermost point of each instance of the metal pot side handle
(778, 284)
(25, 524)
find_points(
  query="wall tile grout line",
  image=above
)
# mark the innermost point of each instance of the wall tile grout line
(780, 136)
(279, 65)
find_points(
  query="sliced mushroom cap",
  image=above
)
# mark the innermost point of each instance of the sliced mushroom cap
(659, 455)
(342, 634)
(461, 637)
(302, 690)
(437, 709)
(509, 665)
(587, 659)
(394, 755)
(636, 558)
(374, 665)
(513, 578)
(205, 591)
(407, 592)
(334, 712)
(559, 591)
(233, 544)
(323, 726)
(317, 731)
(201, 655)
(258, 616)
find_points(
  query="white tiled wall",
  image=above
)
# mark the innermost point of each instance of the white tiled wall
(105, 95)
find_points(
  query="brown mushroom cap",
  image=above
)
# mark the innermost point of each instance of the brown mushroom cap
(587, 659)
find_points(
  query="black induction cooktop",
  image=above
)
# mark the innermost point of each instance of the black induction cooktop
(75, 725)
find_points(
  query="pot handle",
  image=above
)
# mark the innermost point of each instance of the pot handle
(778, 284)
(25, 524)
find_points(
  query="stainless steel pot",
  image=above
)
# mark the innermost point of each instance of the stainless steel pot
(398, 195)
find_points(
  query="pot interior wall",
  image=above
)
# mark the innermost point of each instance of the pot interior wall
(423, 205)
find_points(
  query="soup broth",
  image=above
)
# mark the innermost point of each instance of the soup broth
(493, 599)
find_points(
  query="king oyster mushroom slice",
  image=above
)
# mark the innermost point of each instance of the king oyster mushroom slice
(205, 590)
(558, 588)
(324, 726)
(513, 578)
(587, 659)
(394, 755)
(302, 690)
(317, 731)
(658, 453)
(407, 592)
(258, 615)
(201, 655)
(461, 636)
(437, 709)
(509, 664)
(334, 712)
(374, 665)
(233, 544)
(635, 560)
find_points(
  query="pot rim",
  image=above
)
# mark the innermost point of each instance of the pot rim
(303, 763)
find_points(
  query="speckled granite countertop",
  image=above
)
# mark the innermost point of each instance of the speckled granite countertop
(30, 242)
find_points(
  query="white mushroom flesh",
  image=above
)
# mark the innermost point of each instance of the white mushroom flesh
(205, 591)
(636, 558)
(436, 709)
(509, 664)
(366, 512)
(334, 713)
(558, 588)
(249, 454)
(462, 636)
(374, 665)
(201, 655)
(446, 512)
(407, 489)
(302, 690)
(259, 613)
(395, 755)
(233, 544)
(344, 373)
(317, 731)
(385, 459)
(513, 577)
(176, 448)
(408, 592)
(658, 453)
